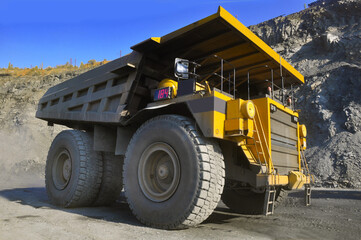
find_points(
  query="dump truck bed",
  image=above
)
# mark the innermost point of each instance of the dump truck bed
(99, 95)
(121, 88)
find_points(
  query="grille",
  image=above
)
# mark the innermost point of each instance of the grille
(283, 142)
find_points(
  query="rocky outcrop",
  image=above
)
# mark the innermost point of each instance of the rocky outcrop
(24, 139)
(323, 42)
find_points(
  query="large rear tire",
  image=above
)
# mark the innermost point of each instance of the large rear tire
(281, 195)
(73, 170)
(112, 180)
(173, 176)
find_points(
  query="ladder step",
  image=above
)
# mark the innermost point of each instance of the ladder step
(269, 201)
(307, 195)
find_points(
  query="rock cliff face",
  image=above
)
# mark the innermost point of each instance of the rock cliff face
(323, 42)
(24, 139)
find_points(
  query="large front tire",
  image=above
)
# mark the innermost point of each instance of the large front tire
(73, 170)
(173, 176)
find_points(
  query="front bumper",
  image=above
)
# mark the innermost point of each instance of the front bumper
(294, 180)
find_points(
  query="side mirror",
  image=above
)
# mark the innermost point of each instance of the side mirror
(181, 68)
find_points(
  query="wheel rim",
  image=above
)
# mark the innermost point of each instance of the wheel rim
(159, 172)
(62, 169)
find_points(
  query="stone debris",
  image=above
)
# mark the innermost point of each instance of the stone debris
(323, 42)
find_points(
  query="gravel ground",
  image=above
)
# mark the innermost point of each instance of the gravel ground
(25, 213)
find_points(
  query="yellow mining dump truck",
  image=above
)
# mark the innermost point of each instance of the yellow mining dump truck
(201, 114)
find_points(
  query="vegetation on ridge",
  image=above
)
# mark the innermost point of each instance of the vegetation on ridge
(40, 71)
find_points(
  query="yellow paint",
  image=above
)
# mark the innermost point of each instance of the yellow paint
(218, 124)
(303, 131)
(276, 179)
(249, 155)
(167, 82)
(244, 32)
(249, 125)
(299, 148)
(303, 143)
(208, 88)
(156, 39)
(233, 124)
(248, 109)
(200, 87)
(258, 42)
(221, 95)
(263, 113)
(296, 180)
(240, 108)
(239, 123)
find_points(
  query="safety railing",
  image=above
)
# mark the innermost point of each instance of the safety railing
(231, 79)
(304, 162)
(265, 152)
(260, 133)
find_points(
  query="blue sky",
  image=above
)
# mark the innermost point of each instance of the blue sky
(53, 31)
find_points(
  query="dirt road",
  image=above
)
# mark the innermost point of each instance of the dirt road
(25, 213)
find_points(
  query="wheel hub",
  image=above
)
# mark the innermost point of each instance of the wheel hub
(163, 171)
(61, 170)
(67, 169)
(158, 172)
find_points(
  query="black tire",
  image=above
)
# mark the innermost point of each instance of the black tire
(186, 173)
(281, 195)
(112, 180)
(73, 170)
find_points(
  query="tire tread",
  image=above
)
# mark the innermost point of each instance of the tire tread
(90, 169)
(212, 174)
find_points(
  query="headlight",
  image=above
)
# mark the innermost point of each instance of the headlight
(303, 131)
(248, 109)
(181, 68)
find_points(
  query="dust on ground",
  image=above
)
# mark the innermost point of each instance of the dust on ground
(26, 213)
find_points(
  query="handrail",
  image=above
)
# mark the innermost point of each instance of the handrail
(255, 145)
(221, 68)
(271, 169)
(303, 157)
(261, 147)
